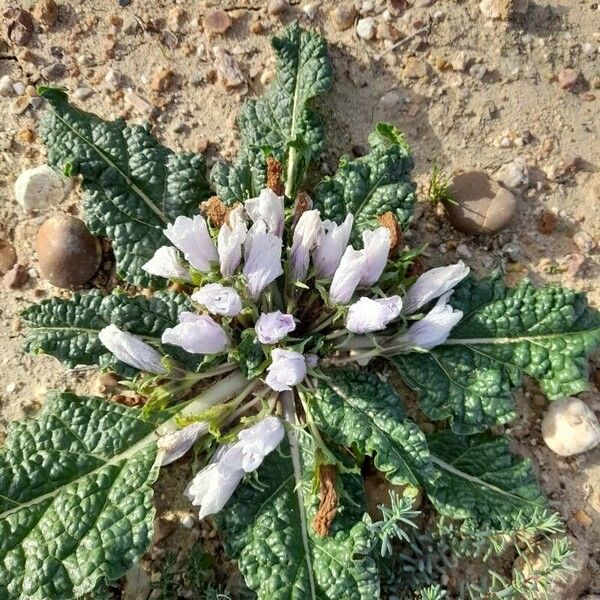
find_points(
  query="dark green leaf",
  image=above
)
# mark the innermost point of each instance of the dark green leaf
(251, 355)
(281, 119)
(134, 186)
(506, 333)
(356, 409)
(372, 184)
(479, 479)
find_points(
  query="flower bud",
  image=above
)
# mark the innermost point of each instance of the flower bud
(197, 334)
(165, 263)
(191, 236)
(347, 275)
(307, 234)
(263, 264)
(219, 299)
(287, 369)
(267, 208)
(274, 326)
(334, 240)
(369, 315)
(229, 241)
(377, 247)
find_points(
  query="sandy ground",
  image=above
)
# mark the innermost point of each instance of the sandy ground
(477, 93)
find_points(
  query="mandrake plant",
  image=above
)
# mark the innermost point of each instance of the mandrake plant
(274, 309)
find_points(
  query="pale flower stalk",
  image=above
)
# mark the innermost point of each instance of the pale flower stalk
(347, 276)
(165, 263)
(274, 326)
(230, 240)
(263, 264)
(307, 235)
(197, 334)
(434, 328)
(131, 350)
(268, 209)
(214, 485)
(191, 236)
(368, 315)
(219, 299)
(288, 368)
(329, 252)
(432, 285)
(376, 248)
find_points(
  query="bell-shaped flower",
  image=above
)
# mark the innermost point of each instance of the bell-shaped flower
(191, 236)
(432, 285)
(258, 441)
(197, 334)
(347, 276)
(212, 487)
(263, 264)
(131, 350)
(307, 235)
(230, 240)
(274, 326)
(165, 263)
(287, 368)
(376, 244)
(176, 444)
(334, 239)
(219, 299)
(369, 315)
(435, 327)
(267, 208)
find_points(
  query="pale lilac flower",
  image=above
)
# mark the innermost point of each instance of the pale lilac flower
(347, 276)
(268, 208)
(263, 264)
(377, 247)
(274, 326)
(197, 334)
(258, 441)
(230, 240)
(307, 235)
(258, 228)
(176, 444)
(212, 487)
(433, 284)
(219, 299)
(369, 315)
(191, 236)
(287, 368)
(435, 327)
(165, 263)
(327, 256)
(131, 350)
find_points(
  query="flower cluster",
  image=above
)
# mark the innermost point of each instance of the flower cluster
(252, 275)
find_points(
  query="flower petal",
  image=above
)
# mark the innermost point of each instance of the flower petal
(377, 247)
(367, 315)
(165, 263)
(268, 208)
(330, 250)
(258, 441)
(433, 284)
(288, 368)
(191, 236)
(219, 299)
(347, 276)
(230, 240)
(274, 326)
(263, 264)
(307, 234)
(176, 444)
(131, 350)
(197, 334)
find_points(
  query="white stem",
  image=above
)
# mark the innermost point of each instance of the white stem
(220, 392)
(289, 414)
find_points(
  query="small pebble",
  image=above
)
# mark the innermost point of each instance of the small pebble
(69, 255)
(277, 7)
(584, 241)
(39, 187)
(46, 11)
(570, 427)
(567, 78)
(463, 251)
(514, 174)
(162, 80)
(547, 222)
(6, 86)
(415, 68)
(54, 71)
(16, 277)
(366, 28)
(8, 256)
(217, 21)
(82, 93)
(188, 521)
(343, 16)
(19, 88)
